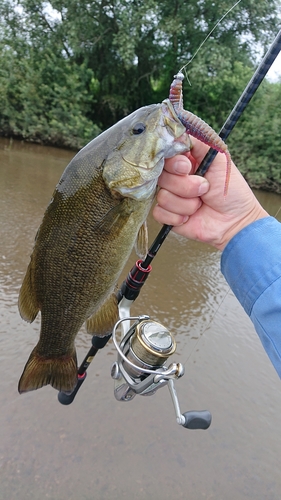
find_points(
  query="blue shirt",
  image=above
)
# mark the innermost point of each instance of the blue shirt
(251, 264)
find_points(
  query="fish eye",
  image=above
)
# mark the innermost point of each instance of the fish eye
(138, 128)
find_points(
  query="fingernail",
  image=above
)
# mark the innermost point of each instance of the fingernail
(203, 188)
(182, 167)
(185, 219)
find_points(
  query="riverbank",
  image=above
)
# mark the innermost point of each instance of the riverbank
(64, 137)
(248, 166)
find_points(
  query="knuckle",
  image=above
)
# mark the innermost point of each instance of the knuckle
(163, 197)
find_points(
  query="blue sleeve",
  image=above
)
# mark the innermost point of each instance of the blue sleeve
(251, 264)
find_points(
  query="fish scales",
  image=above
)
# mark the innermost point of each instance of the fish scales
(87, 234)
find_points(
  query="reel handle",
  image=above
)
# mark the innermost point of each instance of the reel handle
(197, 419)
(190, 419)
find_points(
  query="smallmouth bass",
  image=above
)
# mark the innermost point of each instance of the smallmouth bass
(96, 215)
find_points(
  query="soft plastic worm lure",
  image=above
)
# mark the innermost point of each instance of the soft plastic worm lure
(196, 127)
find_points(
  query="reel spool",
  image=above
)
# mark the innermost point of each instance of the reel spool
(148, 346)
(142, 353)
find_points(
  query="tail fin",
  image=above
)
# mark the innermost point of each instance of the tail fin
(60, 373)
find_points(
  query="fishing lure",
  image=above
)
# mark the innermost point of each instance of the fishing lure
(196, 127)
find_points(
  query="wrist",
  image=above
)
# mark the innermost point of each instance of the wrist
(256, 213)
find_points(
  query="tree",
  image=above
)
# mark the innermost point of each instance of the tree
(256, 141)
(96, 61)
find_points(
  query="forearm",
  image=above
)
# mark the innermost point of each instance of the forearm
(251, 264)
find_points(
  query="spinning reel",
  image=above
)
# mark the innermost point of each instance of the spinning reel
(141, 367)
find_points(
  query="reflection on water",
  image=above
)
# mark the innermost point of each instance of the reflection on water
(99, 448)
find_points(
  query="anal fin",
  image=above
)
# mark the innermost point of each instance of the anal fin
(103, 321)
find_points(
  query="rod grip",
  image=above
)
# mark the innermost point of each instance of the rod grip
(67, 399)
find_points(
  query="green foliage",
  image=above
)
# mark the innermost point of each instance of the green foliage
(41, 101)
(70, 68)
(255, 142)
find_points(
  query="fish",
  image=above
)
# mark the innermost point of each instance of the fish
(96, 215)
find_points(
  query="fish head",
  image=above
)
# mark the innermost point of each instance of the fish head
(149, 135)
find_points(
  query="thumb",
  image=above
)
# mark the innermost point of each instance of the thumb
(197, 152)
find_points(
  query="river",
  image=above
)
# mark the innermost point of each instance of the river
(99, 448)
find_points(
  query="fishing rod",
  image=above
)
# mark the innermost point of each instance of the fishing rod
(146, 345)
(238, 109)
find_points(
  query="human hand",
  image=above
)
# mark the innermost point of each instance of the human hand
(196, 206)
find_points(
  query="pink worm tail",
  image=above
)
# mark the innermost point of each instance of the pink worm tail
(196, 127)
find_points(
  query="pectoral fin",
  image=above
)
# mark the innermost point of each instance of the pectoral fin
(103, 321)
(28, 305)
(114, 218)
(141, 244)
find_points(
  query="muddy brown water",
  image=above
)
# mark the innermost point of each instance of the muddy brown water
(99, 448)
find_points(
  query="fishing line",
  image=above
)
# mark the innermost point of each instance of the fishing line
(228, 126)
(207, 327)
(277, 212)
(244, 100)
(207, 37)
(138, 274)
(239, 107)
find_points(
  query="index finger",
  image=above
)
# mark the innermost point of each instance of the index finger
(198, 151)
